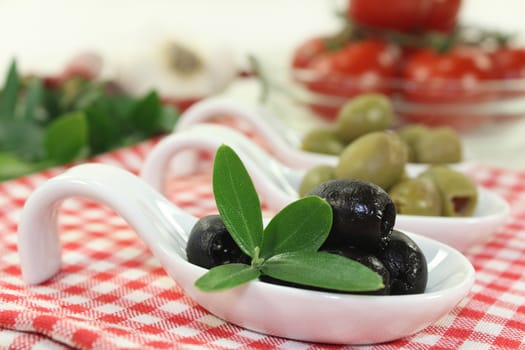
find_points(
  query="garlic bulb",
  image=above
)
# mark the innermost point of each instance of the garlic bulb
(178, 68)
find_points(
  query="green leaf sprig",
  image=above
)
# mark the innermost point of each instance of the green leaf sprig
(287, 249)
(44, 125)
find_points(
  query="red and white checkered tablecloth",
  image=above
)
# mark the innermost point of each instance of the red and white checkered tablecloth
(113, 294)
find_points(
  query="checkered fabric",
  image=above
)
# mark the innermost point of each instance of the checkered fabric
(113, 294)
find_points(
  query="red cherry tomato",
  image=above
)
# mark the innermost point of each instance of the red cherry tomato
(180, 104)
(359, 67)
(442, 15)
(307, 51)
(451, 80)
(362, 66)
(87, 65)
(509, 62)
(406, 15)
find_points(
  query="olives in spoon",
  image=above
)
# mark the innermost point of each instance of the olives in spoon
(401, 264)
(438, 145)
(364, 114)
(409, 134)
(322, 141)
(459, 194)
(377, 157)
(363, 213)
(314, 177)
(416, 196)
(362, 230)
(363, 220)
(405, 263)
(210, 244)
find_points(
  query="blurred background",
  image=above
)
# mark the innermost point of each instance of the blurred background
(43, 36)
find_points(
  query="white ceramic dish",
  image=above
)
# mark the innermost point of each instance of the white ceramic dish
(275, 310)
(277, 184)
(283, 142)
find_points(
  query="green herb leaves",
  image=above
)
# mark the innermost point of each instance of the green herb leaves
(9, 92)
(287, 249)
(44, 124)
(301, 226)
(237, 200)
(66, 137)
(323, 270)
(226, 276)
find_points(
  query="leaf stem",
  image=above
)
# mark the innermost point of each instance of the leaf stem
(257, 261)
(263, 80)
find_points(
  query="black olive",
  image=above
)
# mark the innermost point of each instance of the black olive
(406, 264)
(363, 213)
(369, 260)
(210, 244)
(272, 280)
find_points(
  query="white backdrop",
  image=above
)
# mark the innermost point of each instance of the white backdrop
(42, 34)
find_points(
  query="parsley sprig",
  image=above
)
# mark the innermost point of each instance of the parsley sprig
(288, 247)
(43, 126)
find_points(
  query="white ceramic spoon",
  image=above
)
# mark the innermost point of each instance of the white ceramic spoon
(283, 142)
(277, 184)
(272, 309)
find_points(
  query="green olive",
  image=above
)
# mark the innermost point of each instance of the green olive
(378, 157)
(459, 194)
(404, 176)
(322, 141)
(438, 146)
(314, 177)
(364, 114)
(418, 196)
(409, 134)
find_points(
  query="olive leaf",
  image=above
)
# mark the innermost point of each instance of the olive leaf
(237, 200)
(301, 226)
(226, 276)
(323, 270)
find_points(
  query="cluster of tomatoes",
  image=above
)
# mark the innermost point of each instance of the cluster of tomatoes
(414, 50)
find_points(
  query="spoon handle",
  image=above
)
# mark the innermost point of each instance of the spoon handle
(270, 180)
(283, 141)
(273, 170)
(267, 124)
(159, 223)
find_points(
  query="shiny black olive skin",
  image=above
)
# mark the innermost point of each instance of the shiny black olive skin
(268, 279)
(210, 244)
(363, 214)
(406, 264)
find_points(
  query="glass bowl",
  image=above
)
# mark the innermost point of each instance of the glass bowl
(462, 104)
